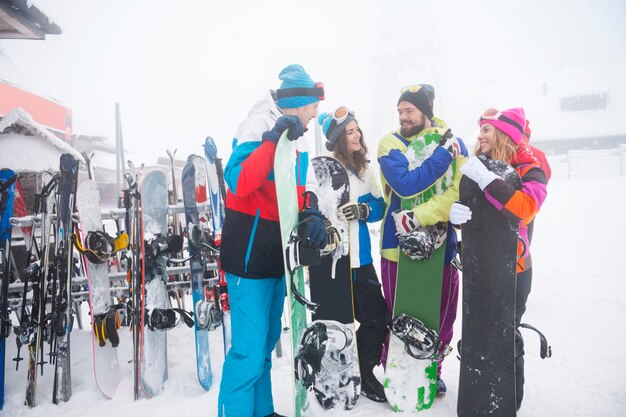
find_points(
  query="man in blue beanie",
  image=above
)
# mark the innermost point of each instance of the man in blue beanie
(251, 251)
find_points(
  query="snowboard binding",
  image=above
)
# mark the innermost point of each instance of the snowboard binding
(201, 238)
(99, 246)
(208, 316)
(419, 341)
(106, 325)
(168, 318)
(325, 363)
(163, 245)
(421, 243)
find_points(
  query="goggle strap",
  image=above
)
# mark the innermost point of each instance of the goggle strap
(294, 92)
(507, 120)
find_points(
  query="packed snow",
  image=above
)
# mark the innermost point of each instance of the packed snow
(577, 301)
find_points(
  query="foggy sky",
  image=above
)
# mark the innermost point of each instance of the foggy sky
(185, 70)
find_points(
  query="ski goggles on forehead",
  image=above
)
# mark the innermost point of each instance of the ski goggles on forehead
(317, 91)
(341, 114)
(428, 89)
(494, 114)
(491, 114)
(412, 88)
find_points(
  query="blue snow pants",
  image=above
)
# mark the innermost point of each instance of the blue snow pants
(256, 308)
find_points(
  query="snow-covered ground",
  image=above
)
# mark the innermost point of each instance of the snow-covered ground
(578, 300)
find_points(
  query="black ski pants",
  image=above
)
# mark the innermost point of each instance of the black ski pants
(371, 312)
(523, 286)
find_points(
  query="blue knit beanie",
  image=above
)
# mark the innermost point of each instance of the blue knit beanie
(332, 130)
(295, 77)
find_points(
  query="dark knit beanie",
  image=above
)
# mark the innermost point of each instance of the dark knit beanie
(421, 96)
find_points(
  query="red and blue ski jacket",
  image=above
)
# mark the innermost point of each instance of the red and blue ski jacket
(251, 243)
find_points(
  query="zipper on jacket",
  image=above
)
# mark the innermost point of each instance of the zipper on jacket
(251, 240)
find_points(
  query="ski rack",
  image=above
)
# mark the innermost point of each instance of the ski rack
(113, 214)
(80, 280)
(16, 302)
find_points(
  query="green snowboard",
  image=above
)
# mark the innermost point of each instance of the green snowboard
(411, 384)
(285, 171)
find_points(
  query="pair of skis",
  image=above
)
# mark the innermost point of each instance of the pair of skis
(52, 274)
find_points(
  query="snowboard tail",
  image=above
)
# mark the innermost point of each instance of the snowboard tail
(489, 247)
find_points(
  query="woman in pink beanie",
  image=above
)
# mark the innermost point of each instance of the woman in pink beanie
(501, 138)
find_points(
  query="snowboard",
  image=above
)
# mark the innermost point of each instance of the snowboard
(286, 176)
(105, 363)
(63, 273)
(410, 383)
(7, 195)
(216, 196)
(489, 255)
(153, 343)
(198, 256)
(334, 353)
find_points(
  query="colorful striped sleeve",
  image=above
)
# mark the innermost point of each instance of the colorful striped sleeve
(519, 204)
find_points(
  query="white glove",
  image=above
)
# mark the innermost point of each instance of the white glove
(350, 212)
(475, 170)
(405, 221)
(460, 213)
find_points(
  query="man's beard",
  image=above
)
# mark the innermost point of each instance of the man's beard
(414, 130)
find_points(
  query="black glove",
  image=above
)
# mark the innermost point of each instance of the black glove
(283, 123)
(353, 211)
(312, 230)
(450, 143)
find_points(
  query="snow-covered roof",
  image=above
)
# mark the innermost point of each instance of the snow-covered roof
(21, 19)
(28, 146)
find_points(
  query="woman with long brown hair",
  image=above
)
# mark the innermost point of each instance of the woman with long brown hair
(345, 140)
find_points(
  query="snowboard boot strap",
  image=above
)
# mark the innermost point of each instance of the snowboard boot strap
(311, 306)
(419, 341)
(168, 318)
(545, 348)
(107, 324)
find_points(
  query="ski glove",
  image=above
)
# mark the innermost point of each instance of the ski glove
(312, 230)
(460, 213)
(475, 170)
(283, 123)
(405, 221)
(450, 143)
(353, 211)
